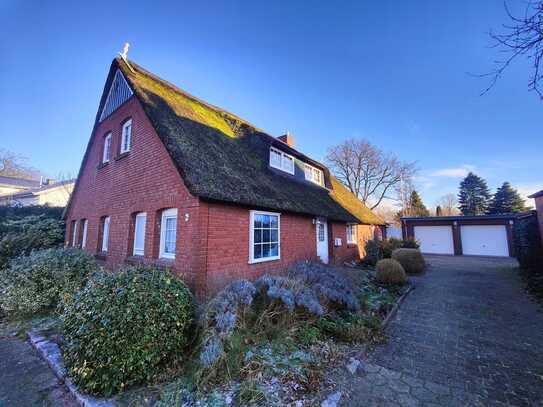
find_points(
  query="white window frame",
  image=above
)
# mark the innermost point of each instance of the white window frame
(126, 125)
(284, 157)
(74, 234)
(252, 260)
(167, 213)
(311, 174)
(84, 237)
(139, 251)
(105, 234)
(351, 237)
(106, 153)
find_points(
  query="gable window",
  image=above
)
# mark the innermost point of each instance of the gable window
(313, 174)
(281, 161)
(105, 233)
(168, 228)
(74, 233)
(139, 234)
(351, 234)
(85, 224)
(264, 236)
(126, 138)
(107, 148)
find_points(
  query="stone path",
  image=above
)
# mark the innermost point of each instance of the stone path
(467, 335)
(26, 380)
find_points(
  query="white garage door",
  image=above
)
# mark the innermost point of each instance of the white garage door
(435, 239)
(484, 240)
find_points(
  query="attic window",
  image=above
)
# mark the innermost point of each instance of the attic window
(119, 92)
(281, 161)
(313, 174)
(126, 138)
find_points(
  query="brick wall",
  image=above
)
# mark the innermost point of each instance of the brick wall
(228, 244)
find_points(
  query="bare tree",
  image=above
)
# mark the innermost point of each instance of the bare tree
(13, 165)
(523, 36)
(367, 171)
(448, 204)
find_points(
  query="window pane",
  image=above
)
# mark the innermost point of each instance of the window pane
(275, 159)
(274, 220)
(139, 234)
(257, 251)
(274, 235)
(265, 250)
(274, 249)
(169, 241)
(266, 221)
(265, 235)
(258, 221)
(288, 163)
(258, 235)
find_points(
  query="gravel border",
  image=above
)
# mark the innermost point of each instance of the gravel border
(50, 352)
(395, 308)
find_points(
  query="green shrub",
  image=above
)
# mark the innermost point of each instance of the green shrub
(389, 245)
(19, 237)
(410, 243)
(374, 252)
(42, 280)
(411, 260)
(353, 328)
(123, 327)
(390, 271)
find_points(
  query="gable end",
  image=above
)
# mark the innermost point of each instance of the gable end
(119, 92)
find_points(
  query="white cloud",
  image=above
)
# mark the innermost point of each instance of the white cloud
(458, 172)
(528, 189)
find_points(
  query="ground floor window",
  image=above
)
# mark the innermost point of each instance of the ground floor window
(168, 227)
(105, 233)
(351, 234)
(139, 233)
(264, 236)
(84, 227)
(74, 233)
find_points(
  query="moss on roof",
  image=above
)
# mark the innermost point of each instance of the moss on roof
(222, 157)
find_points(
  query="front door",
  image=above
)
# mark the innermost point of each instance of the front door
(322, 239)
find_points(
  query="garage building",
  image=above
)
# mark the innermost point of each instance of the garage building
(488, 235)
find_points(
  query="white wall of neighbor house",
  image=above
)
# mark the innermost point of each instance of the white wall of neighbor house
(56, 196)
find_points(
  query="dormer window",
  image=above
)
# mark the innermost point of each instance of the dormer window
(107, 148)
(313, 174)
(282, 161)
(126, 138)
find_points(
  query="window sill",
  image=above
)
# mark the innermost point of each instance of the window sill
(122, 155)
(134, 259)
(264, 260)
(102, 165)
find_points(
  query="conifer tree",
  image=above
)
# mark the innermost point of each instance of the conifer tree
(506, 200)
(474, 195)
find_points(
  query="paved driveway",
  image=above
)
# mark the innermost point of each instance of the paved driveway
(467, 335)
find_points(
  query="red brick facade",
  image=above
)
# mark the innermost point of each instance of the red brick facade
(212, 244)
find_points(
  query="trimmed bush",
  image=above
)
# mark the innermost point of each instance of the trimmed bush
(390, 271)
(122, 327)
(44, 279)
(389, 245)
(21, 236)
(411, 260)
(410, 243)
(374, 252)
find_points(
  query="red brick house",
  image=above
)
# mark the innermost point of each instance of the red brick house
(168, 179)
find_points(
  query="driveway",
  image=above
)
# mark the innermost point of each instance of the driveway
(467, 335)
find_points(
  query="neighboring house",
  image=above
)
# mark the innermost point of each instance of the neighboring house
(12, 185)
(538, 197)
(48, 193)
(170, 180)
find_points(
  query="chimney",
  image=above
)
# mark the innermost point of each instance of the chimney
(288, 139)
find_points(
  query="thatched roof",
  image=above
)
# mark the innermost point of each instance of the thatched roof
(224, 158)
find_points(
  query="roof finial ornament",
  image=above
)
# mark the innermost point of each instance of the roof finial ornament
(124, 54)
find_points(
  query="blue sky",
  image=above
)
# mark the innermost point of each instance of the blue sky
(393, 72)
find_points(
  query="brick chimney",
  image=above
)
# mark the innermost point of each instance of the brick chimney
(287, 138)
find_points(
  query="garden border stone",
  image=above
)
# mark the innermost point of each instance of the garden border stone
(50, 352)
(395, 308)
